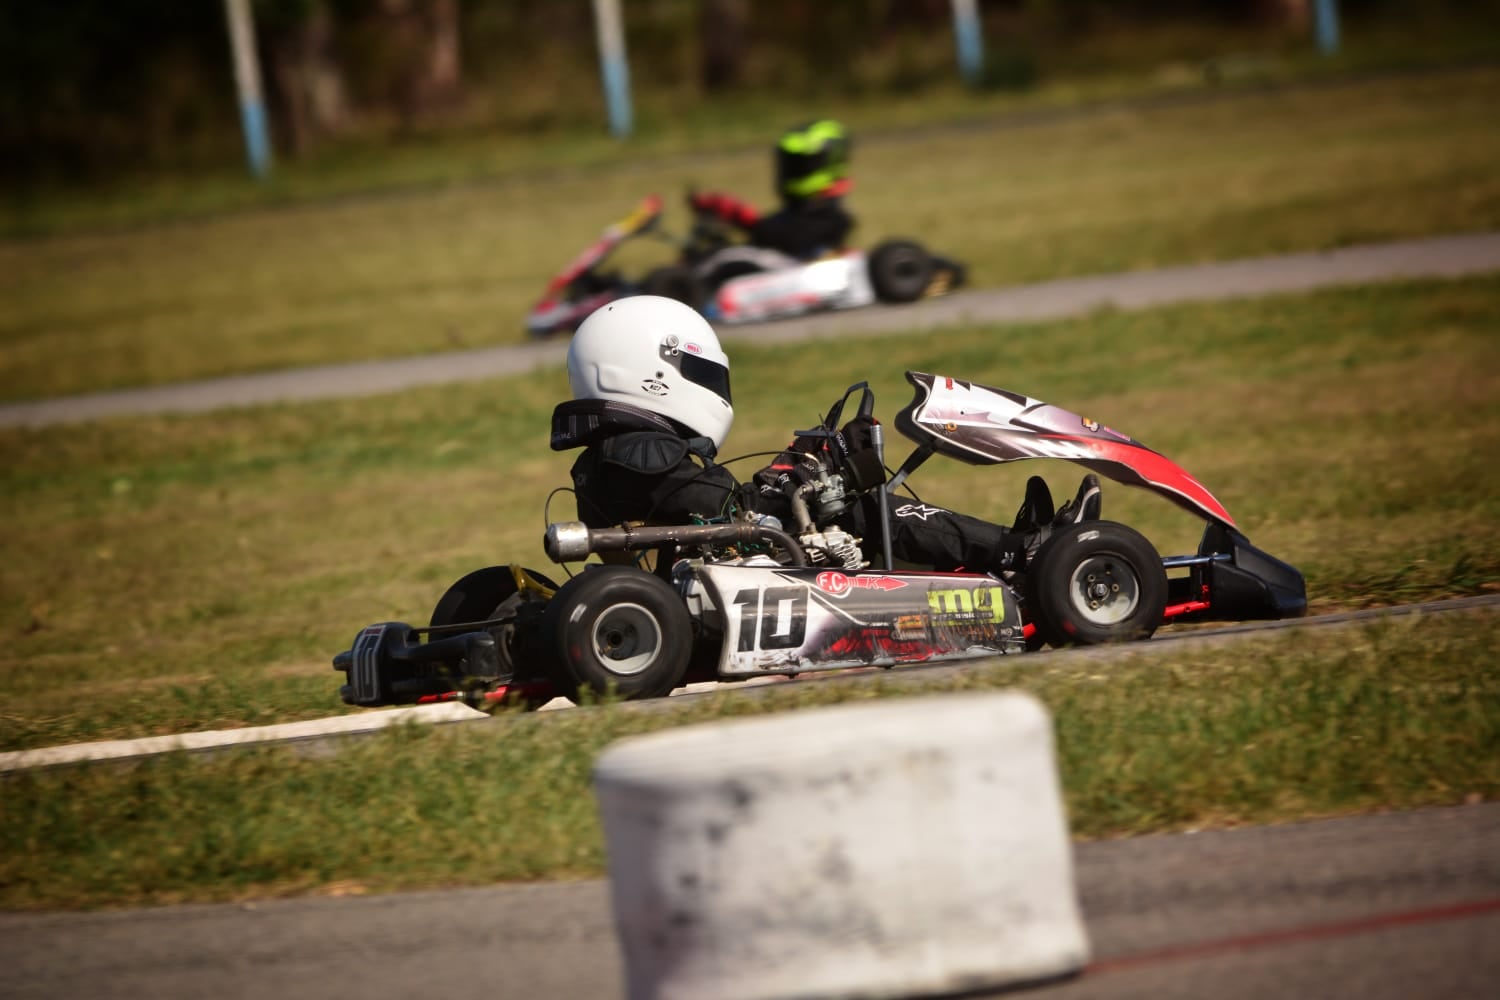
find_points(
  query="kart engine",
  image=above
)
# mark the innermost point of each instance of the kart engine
(816, 503)
(833, 547)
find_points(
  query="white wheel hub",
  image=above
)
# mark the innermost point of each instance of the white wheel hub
(1104, 590)
(627, 639)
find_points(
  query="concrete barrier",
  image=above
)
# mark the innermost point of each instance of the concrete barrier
(902, 848)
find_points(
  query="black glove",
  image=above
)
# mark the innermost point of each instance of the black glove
(857, 460)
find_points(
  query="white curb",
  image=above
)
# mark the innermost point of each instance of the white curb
(901, 848)
(17, 760)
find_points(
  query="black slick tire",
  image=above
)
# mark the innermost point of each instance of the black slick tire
(674, 282)
(1096, 582)
(900, 271)
(491, 593)
(618, 629)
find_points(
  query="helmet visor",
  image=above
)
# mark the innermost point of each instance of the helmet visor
(710, 374)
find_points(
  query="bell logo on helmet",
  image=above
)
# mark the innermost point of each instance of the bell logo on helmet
(692, 348)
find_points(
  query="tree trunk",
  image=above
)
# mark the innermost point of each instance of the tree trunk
(1284, 13)
(423, 36)
(721, 42)
(309, 82)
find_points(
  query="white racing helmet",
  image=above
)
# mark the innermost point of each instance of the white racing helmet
(657, 354)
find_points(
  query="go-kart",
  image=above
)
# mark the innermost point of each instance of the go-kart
(732, 282)
(746, 597)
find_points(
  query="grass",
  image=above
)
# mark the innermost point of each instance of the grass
(168, 574)
(1397, 714)
(444, 267)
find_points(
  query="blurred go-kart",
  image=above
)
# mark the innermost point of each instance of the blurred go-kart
(730, 281)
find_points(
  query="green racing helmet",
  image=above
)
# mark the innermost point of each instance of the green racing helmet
(813, 159)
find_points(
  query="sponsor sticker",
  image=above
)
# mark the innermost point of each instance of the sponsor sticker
(909, 627)
(967, 604)
(655, 386)
(836, 583)
(833, 582)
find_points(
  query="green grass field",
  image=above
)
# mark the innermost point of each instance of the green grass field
(440, 268)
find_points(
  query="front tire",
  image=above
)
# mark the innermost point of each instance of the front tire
(619, 629)
(1096, 582)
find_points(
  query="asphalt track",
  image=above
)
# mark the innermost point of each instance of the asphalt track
(1437, 257)
(1402, 905)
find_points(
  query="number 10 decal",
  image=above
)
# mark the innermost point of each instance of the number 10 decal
(778, 622)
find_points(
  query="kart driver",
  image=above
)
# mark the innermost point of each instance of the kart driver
(651, 408)
(812, 164)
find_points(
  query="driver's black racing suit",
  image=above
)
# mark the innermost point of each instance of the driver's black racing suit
(803, 227)
(640, 467)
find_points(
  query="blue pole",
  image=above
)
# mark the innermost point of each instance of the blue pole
(257, 141)
(613, 66)
(970, 40)
(247, 80)
(1328, 26)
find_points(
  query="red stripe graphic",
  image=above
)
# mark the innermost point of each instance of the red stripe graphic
(1295, 935)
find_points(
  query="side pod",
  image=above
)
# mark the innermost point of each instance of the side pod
(1250, 584)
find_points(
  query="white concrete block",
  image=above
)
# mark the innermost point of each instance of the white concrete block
(898, 848)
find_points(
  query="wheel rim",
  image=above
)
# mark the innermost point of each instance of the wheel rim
(1105, 590)
(627, 639)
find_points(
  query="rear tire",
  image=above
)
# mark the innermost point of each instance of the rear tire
(490, 593)
(620, 629)
(674, 282)
(900, 271)
(1096, 582)
(718, 277)
(483, 594)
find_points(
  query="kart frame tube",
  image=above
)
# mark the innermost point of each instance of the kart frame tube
(570, 541)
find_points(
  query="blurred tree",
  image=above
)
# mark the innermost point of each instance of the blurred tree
(721, 42)
(89, 88)
(387, 59)
(1284, 13)
(309, 95)
(421, 38)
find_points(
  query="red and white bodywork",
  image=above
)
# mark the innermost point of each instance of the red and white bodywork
(982, 425)
(796, 288)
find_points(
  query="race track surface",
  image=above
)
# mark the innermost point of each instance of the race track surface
(1375, 907)
(1437, 257)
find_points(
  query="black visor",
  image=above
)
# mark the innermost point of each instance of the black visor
(710, 374)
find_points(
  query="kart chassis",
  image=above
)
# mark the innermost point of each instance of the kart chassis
(731, 601)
